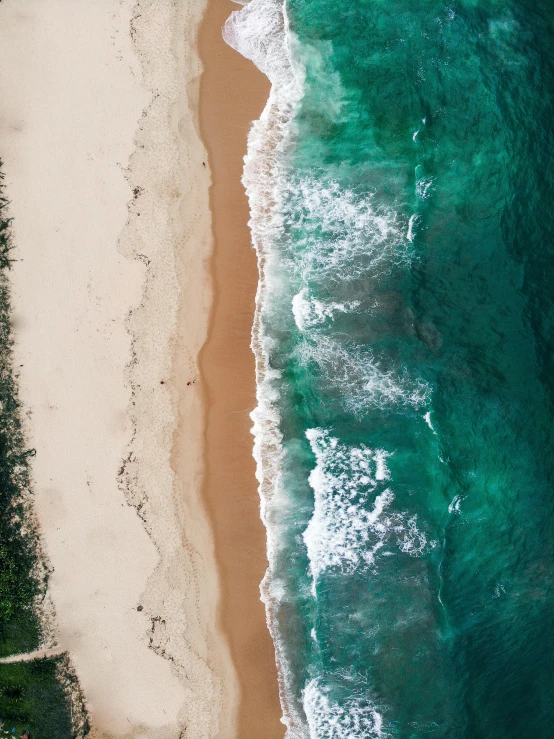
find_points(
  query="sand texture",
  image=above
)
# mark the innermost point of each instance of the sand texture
(111, 297)
(232, 94)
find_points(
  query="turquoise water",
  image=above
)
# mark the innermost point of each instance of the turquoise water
(400, 182)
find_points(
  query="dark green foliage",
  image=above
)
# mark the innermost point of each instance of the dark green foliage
(19, 628)
(32, 699)
(5, 246)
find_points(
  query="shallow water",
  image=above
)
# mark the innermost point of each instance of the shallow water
(400, 182)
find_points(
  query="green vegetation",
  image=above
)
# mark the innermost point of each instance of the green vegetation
(33, 700)
(34, 696)
(19, 627)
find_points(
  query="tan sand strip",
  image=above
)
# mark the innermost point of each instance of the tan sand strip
(232, 94)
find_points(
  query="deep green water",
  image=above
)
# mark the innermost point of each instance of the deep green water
(407, 318)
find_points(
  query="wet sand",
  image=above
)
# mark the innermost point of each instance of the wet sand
(232, 94)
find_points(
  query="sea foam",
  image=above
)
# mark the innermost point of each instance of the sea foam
(356, 373)
(340, 235)
(309, 312)
(353, 517)
(355, 237)
(354, 718)
(259, 31)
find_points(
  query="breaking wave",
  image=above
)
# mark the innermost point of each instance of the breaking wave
(353, 518)
(309, 311)
(354, 718)
(355, 371)
(340, 235)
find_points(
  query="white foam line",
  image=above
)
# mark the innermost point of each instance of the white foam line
(427, 418)
(328, 719)
(410, 234)
(260, 32)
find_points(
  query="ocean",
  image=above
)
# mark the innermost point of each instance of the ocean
(400, 181)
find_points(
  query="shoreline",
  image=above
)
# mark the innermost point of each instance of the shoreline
(233, 93)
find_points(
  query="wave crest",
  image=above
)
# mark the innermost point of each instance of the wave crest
(352, 520)
(356, 373)
(340, 235)
(354, 718)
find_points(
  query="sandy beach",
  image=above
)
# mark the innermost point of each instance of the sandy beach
(232, 94)
(108, 182)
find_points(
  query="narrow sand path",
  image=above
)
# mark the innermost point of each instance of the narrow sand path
(31, 656)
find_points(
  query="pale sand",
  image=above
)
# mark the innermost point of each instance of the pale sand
(104, 312)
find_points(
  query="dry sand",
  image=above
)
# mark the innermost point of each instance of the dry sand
(111, 300)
